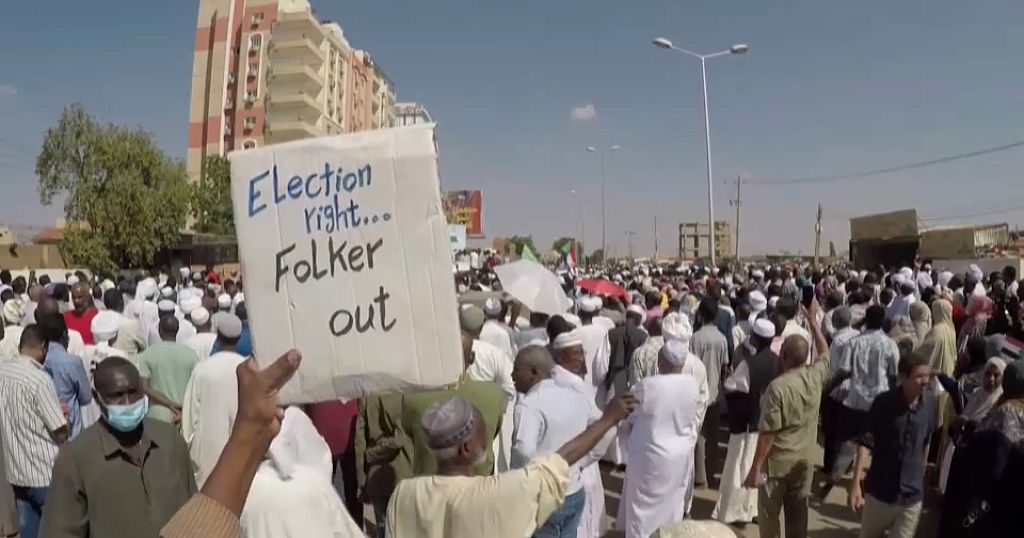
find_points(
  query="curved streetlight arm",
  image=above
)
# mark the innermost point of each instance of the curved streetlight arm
(702, 56)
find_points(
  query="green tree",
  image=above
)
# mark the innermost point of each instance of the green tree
(596, 257)
(515, 244)
(124, 200)
(211, 198)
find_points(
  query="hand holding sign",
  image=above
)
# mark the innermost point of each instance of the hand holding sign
(345, 251)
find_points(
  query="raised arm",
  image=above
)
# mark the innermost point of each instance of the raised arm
(582, 444)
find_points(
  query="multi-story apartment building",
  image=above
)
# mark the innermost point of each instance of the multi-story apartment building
(410, 114)
(268, 71)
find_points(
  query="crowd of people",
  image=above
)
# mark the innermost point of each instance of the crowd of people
(128, 408)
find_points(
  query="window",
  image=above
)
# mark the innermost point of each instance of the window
(249, 144)
(250, 123)
(250, 96)
(254, 70)
(257, 18)
(255, 42)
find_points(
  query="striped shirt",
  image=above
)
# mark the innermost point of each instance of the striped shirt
(29, 411)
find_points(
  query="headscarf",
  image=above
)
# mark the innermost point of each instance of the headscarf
(939, 346)
(979, 310)
(982, 401)
(921, 317)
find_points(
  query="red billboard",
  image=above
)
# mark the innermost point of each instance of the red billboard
(466, 207)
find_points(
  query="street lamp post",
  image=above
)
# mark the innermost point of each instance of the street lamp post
(604, 205)
(740, 48)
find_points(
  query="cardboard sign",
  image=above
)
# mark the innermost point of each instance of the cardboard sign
(345, 257)
(457, 237)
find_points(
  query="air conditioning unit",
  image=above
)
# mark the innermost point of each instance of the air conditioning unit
(253, 72)
(229, 103)
(250, 98)
(231, 78)
(227, 130)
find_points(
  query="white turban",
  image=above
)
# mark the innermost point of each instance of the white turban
(107, 284)
(104, 326)
(190, 304)
(13, 313)
(676, 326)
(146, 289)
(944, 278)
(758, 302)
(492, 307)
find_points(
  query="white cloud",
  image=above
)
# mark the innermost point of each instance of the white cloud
(8, 90)
(586, 112)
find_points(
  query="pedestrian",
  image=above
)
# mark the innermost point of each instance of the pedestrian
(80, 317)
(662, 439)
(837, 388)
(489, 363)
(383, 452)
(457, 504)
(623, 340)
(869, 361)
(547, 416)
(291, 493)
(10, 328)
(123, 476)
(166, 368)
(758, 365)
(67, 371)
(130, 340)
(596, 346)
(32, 425)
(494, 330)
(712, 347)
(335, 421)
(898, 429)
(787, 433)
(211, 400)
(202, 342)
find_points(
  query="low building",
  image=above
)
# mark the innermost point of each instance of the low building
(694, 238)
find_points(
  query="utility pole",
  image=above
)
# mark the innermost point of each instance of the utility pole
(629, 239)
(817, 237)
(655, 239)
(737, 202)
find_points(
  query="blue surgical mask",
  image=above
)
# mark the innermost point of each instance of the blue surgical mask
(125, 418)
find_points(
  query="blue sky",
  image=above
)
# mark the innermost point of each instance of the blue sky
(828, 87)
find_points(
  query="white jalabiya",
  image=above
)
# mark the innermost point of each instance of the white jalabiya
(202, 343)
(209, 408)
(695, 367)
(92, 356)
(492, 364)
(498, 335)
(597, 350)
(662, 440)
(736, 502)
(291, 494)
(592, 519)
(10, 343)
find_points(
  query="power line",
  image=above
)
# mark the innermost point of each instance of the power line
(977, 214)
(897, 168)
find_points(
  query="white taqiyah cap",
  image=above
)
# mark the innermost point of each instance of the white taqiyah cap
(639, 310)
(13, 313)
(675, 352)
(573, 319)
(72, 280)
(166, 291)
(224, 300)
(165, 306)
(773, 301)
(200, 316)
(567, 339)
(492, 307)
(107, 284)
(190, 304)
(184, 271)
(764, 328)
(590, 305)
(229, 326)
(104, 325)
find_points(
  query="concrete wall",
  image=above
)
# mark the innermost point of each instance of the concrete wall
(884, 226)
(31, 257)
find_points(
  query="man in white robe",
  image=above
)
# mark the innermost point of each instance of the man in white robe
(211, 402)
(736, 503)
(488, 363)
(662, 439)
(494, 330)
(291, 494)
(570, 372)
(594, 336)
(204, 338)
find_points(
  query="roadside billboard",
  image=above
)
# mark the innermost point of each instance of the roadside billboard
(466, 208)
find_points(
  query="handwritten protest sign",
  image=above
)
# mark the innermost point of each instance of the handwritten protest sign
(345, 256)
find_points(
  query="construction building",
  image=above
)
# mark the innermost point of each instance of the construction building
(269, 71)
(694, 239)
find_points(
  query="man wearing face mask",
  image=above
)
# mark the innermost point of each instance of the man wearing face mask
(126, 475)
